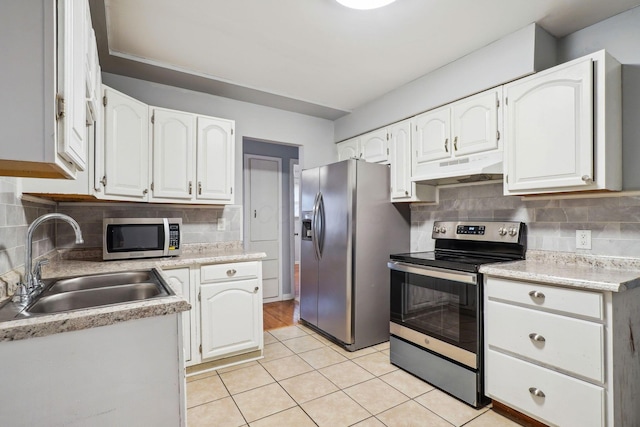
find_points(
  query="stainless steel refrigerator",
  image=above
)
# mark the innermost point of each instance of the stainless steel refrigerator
(349, 229)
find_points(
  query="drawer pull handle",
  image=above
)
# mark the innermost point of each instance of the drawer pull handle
(536, 392)
(255, 290)
(536, 294)
(231, 272)
(536, 337)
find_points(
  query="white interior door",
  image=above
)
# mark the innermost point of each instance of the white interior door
(263, 201)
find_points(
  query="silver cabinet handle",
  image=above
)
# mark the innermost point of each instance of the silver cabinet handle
(231, 272)
(536, 294)
(199, 187)
(255, 290)
(455, 143)
(446, 145)
(536, 337)
(587, 179)
(536, 392)
(190, 187)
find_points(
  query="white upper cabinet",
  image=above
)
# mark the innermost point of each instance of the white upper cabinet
(215, 160)
(193, 158)
(563, 128)
(373, 146)
(475, 123)
(457, 130)
(126, 147)
(173, 148)
(72, 54)
(432, 136)
(348, 149)
(402, 188)
(43, 118)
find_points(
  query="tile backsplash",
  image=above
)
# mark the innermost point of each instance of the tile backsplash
(199, 224)
(614, 221)
(15, 217)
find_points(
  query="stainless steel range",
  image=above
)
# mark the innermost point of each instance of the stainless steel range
(436, 303)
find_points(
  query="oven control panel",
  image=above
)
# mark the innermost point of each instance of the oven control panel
(488, 231)
(470, 229)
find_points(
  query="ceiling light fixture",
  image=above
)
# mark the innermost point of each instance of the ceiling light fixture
(365, 4)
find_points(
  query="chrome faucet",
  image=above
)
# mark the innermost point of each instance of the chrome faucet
(31, 284)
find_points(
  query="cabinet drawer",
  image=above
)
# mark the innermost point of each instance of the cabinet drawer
(573, 345)
(567, 402)
(226, 272)
(570, 301)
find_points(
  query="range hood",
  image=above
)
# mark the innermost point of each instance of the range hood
(474, 168)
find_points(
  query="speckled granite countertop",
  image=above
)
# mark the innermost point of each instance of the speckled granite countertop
(599, 273)
(76, 263)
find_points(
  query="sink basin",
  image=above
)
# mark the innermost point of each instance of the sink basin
(99, 281)
(97, 290)
(94, 297)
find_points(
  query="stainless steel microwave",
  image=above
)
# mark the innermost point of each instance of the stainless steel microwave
(130, 238)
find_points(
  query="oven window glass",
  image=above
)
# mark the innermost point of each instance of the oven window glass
(443, 309)
(135, 237)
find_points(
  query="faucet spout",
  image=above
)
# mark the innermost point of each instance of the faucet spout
(29, 280)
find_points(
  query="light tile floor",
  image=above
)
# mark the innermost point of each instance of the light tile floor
(305, 380)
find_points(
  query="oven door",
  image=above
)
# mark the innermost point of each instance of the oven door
(437, 309)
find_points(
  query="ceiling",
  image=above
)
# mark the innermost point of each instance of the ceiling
(314, 57)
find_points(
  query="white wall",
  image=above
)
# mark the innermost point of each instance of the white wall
(620, 36)
(312, 134)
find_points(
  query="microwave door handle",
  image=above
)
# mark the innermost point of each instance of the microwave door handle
(165, 249)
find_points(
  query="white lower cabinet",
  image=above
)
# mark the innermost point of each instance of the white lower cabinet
(564, 356)
(231, 318)
(180, 279)
(225, 319)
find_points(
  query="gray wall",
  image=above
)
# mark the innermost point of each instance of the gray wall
(518, 54)
(620, 36)
(286, 153)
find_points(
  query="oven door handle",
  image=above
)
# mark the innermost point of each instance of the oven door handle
(438, 273)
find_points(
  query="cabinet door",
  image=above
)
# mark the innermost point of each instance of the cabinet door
(216, 156)
(349, 149)
(231, 317)
(180, 280)
(475, 123)
(173, 147)
(431, 136)
(126, 146)
(400, 156)
(549, 129)
(374, 146)
(72, 48)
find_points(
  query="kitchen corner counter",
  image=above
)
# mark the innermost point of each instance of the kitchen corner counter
(78, 263)
(599, 273)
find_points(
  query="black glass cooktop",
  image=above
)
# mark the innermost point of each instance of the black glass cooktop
(454, 261)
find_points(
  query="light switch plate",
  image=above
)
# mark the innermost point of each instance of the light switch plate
(583, 239)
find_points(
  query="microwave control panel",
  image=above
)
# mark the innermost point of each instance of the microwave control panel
(174, 236)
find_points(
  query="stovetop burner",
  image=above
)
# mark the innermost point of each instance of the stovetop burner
(467, 245)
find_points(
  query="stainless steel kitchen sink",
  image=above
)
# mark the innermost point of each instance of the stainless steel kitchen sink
(99, 281)
(61, 295)
(95, 297)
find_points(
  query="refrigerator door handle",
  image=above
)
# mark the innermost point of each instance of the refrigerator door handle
(321, 227)
(314, 226)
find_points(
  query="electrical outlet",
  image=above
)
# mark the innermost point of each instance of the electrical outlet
(222, 224)
(583, 239)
